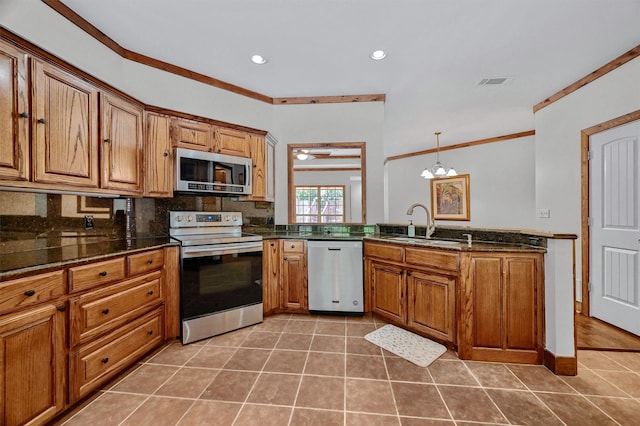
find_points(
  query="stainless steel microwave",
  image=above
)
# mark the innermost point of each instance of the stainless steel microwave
(207, 172)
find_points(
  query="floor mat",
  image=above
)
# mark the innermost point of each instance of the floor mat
(419, 350)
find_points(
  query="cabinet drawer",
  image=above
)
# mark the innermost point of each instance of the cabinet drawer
(145, 262)
(99, 311)
(433, 258)
(292, 246)
(31, 290)
(95, 274)
(98, 361)
(384, 251)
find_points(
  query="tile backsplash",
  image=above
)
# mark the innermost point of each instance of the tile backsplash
(29, 215)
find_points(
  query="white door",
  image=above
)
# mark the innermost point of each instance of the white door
(614, 232)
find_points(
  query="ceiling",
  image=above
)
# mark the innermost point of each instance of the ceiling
(438, 52)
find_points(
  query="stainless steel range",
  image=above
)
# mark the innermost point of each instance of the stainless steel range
(220, 273)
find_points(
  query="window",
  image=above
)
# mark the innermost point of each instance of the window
(319, 204)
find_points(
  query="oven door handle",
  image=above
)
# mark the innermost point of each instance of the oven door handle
(217, 250)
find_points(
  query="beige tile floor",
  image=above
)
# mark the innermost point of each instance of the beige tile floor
(306, 370)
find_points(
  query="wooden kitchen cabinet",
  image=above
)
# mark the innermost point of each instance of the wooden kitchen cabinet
(414, 287)
(431, 304)
(502, 304)
(158, 156)
(65, 128)
(191, 134)
(270, 276)
(294, 275)
(121, 145)
(231, 142)
(262, 152)
(388, 291)
(14, 113)
(33, 369)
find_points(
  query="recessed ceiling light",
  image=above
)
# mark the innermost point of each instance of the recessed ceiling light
(378, 55)
(257, 59)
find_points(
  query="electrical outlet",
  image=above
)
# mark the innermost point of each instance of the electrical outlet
(88, 221)
(544, 213)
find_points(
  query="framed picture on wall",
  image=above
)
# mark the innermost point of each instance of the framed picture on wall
(450, 198)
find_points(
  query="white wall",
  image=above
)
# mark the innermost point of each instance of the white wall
(38, 23)
(353, 122)
(501, 184)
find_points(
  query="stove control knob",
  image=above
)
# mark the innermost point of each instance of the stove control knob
(178, 218)
(235, 218)
(227, 218)
(189, 218)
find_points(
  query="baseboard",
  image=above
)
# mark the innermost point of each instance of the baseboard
(561, 365)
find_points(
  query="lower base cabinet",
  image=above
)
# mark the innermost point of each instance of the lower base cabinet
(65, 333)
(33, 372)
(95, 363)
(284, 276)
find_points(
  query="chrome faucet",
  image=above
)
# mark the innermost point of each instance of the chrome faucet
(431, 226)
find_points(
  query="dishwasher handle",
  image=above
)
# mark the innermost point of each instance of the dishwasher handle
(334, 249)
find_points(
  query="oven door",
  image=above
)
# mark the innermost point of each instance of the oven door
(219, 278)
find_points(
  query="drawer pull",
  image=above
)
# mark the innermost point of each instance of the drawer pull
(104, 360)
(29, 293)
(150, 293)
(61, 308)
(42, 121)
(103, 274)
(149, 262)
(24, 115)
(150, 332)
(105, 311)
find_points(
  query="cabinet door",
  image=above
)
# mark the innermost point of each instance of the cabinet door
(259, 162)
(294, 275)
(388, 291)
(14, 114)
(158, 173)
(65, 128)
(121, 145)
(191, 134)
(270, 170)
(270, 275)
(501, 303)
(431, 304)
(231, 142)
(33, 371)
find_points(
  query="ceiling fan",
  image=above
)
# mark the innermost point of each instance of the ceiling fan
(303, 154)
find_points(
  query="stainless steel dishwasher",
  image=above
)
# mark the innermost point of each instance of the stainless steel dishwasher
(335, 277)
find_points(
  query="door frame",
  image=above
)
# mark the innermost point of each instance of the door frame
(585, 187)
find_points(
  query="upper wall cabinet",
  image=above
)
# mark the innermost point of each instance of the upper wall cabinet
(158, 172)
(65, 128)
(231, 142)
(262, 151)
(14, 113)
(121, 150)
(192, 134)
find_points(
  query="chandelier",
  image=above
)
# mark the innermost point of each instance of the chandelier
(438, 169)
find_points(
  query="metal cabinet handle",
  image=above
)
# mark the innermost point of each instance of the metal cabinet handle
(166, 154)
(150, 332)
(107, 140)
(149, 262)
(105, 311)
(103, 274)
(24, 115)
(29, 293)
(42, 121)
(150, 292)
(104, 360)
(61, 308)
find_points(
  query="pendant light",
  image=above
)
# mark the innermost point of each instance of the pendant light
(438, 169)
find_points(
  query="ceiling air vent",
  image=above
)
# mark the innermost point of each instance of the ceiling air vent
(494, 81)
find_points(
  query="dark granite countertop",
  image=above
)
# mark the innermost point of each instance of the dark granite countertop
(25, 257)
(456, 245)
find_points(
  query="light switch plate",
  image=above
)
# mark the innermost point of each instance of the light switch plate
(544, 213)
